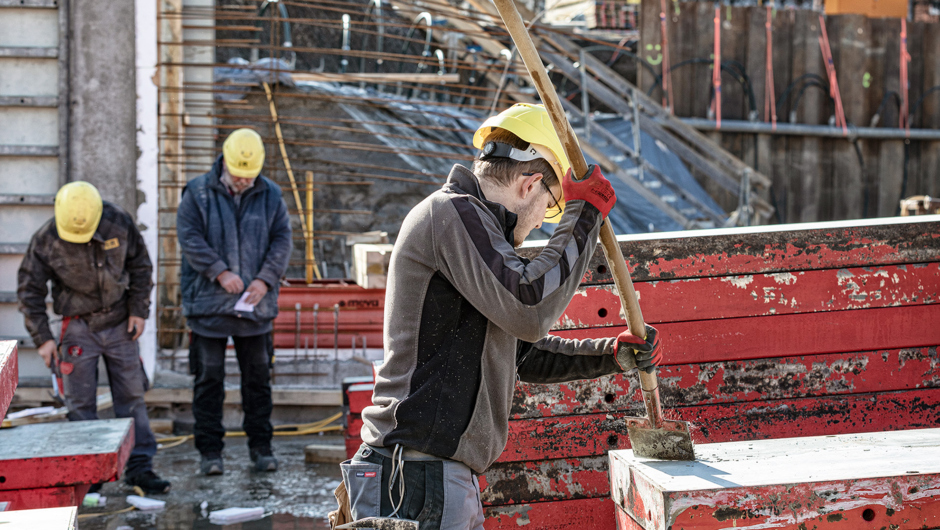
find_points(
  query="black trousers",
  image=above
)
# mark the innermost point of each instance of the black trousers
(207, 363)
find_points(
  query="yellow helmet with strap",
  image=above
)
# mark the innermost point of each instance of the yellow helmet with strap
(531, 123)
(243, 152)
(77, 212)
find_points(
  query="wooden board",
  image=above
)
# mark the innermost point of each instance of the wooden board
(860, 480)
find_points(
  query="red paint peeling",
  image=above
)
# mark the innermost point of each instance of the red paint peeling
(9, 377)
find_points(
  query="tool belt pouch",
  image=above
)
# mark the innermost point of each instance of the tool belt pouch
(340, 516)
(363, 482)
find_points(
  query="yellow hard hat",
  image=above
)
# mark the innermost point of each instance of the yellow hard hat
(77, 212)
(532, 124)
(243, 152)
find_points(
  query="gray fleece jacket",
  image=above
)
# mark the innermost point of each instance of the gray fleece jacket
(465, 316)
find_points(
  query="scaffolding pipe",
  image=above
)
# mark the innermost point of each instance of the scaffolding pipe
(825, 131)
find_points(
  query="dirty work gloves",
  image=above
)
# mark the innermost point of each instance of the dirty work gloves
(593, 188)
(633, 352)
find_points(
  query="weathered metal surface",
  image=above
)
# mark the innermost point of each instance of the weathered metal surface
(545, 480)
(760, 295)
(64, 454)
(784, 335)
(583, 513)
(9, 374)
(593, 434)
(671, 440)
(739, 381)
(866, 480)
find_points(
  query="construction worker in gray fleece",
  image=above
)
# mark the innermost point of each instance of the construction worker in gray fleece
(466, 317)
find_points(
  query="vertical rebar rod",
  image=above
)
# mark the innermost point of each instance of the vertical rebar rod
(336, 331)
(316, 325)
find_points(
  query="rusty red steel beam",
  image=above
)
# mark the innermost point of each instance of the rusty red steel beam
(593, 434)
(545, 480)
(593, 513)
(733, 339)
(9, 374)
(770, 249)
(760, 295)
(782, 378)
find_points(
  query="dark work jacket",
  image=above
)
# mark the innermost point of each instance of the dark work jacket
(252, 241)
(103, 281)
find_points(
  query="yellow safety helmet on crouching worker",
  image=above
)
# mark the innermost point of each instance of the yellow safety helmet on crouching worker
(243, 152)
(532, 124)
(77, 212)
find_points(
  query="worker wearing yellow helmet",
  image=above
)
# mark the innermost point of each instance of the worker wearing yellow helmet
(94, 256)
(235, 237)
(466, 316)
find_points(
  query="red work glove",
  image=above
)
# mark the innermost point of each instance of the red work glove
(593, 188)
(633, 352)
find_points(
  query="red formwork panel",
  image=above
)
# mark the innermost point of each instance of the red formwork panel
(754, 295)
(48, 464)
(770, 332)
(871, 480)
(586, 514)
(9, 374)
(360, 316)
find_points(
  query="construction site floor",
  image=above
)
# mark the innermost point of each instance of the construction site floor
(298, 496)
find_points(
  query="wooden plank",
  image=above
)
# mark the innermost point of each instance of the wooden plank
(784, 335)
(685, 85)
(772, 249)
(734, 22)
(649, 47)
(837, 482)
(849, 41)
(577, 514)
(928, 115)
(594, 434)
(711, 383)
(759, 295)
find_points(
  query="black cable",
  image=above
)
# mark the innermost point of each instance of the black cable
(916, 106)
(786, 92)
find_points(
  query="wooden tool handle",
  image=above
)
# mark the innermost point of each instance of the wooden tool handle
(631, 306)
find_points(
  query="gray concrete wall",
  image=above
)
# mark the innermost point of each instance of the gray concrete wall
(103, 120)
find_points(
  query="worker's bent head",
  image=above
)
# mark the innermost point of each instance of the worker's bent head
(77, 212)
(243, 152)
(518, 141)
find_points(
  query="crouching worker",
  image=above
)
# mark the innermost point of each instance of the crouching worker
(236, 240)
(465, 316)
(100, 271)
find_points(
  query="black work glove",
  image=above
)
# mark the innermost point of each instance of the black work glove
(633, 352)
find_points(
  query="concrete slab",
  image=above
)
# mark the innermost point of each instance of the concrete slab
(869, 480)
(325, 453)
(64, 518)
(61, 454)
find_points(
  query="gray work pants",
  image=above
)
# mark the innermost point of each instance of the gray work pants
(78, 364)
(438, 493)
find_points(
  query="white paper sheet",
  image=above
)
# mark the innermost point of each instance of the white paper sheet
(242, 305)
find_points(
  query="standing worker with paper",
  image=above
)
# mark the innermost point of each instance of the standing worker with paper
(234, 232)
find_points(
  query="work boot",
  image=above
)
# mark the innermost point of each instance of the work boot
(211, 464)
(263, 459)
(149, 482)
